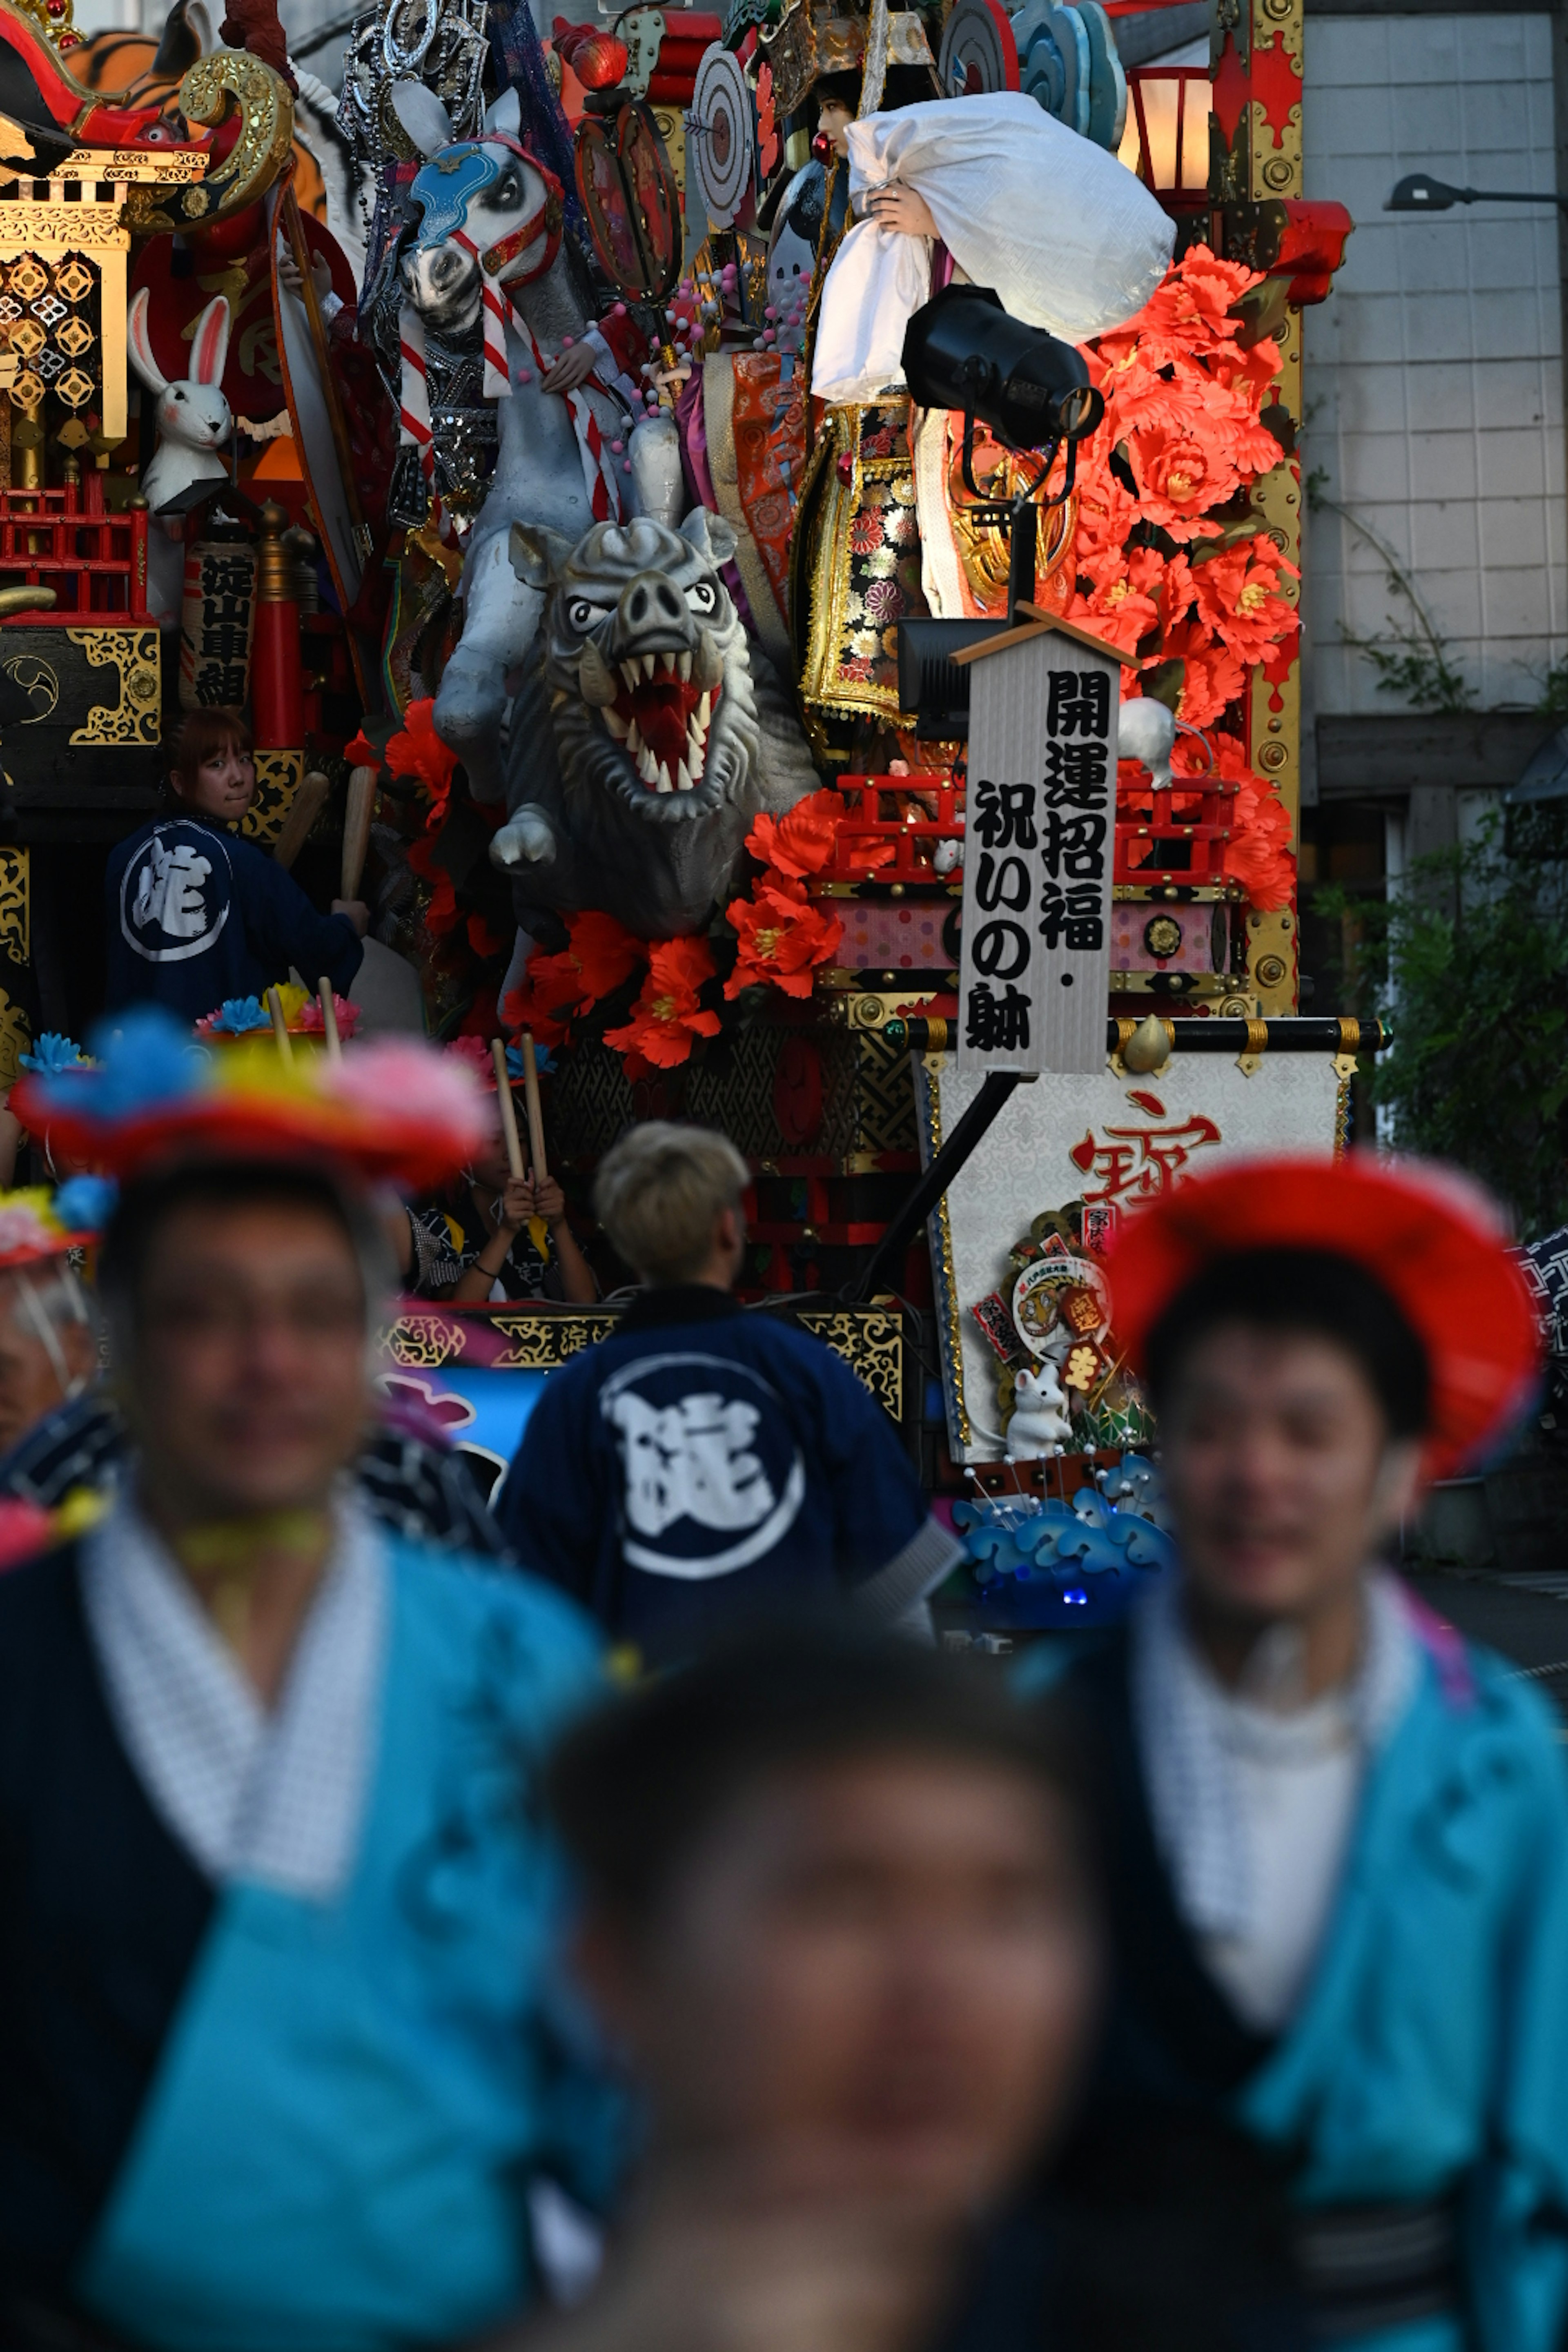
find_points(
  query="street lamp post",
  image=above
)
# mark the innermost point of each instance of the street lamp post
(1418, 191)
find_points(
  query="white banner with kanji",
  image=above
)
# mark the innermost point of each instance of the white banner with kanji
(1115, 1143)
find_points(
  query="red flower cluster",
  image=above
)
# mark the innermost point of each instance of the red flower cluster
(669, 1014)
(602, 954)
(783, 935)
(418, 751)
(1258, 854)
(1183, 403)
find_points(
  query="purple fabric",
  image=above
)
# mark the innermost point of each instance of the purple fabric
(691, 425)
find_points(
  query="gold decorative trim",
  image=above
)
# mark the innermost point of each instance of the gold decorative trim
(542, 1343)
(277, 776)
(15, 1036)
(254, 162)
(16, 903)
(871, 1339)
(137, 717)
(1344, 1070)
(423, 1342)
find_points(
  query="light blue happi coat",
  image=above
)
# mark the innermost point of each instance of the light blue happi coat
(354, 2094)
(1430, 2052)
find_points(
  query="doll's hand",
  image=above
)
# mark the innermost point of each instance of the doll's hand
(572, 368)
(357, 912)
(320, 272)
(901, 208)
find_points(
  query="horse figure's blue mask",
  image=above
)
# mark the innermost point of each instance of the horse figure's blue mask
(444, 188)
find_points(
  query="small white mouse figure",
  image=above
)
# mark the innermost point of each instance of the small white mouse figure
(1040, 1424)
(1146, 730)
(193, 417)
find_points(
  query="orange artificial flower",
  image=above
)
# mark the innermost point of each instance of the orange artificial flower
(783, 939)
(1212, 676)
(668, 1016)
(419, 751)
(1258, 854)
(1237, 595)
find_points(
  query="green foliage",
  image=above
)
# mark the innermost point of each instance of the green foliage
(1420, 670)
(1553, 685)
(1468, 965)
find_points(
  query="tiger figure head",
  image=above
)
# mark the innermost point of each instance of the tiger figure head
(645, 659)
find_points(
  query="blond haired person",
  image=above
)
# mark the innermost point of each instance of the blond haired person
(707, 1467)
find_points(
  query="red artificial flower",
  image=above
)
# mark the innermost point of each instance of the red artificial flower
(668, 1016)
(784, 938)
(1258, 854)
(802, 841)
(441, 913)
(1238, 596)
(362, 752)
(604, 952)
(600, 955)
(419, 751)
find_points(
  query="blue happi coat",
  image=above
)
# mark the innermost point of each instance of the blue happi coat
(237, 2119)
(1429, 2060)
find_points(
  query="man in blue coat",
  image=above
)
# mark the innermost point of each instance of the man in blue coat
(196, 914)
(706, 1466)
(1339, 1834)
(285, 2060)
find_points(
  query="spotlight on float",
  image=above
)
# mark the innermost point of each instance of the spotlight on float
(963, 350)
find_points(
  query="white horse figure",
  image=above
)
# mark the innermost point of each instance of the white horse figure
(489, 250)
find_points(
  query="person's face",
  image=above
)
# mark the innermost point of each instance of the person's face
(889, 1962)
(833, 120)
(29, 1382)
(223, 788)
(490, 1165)
(1280, 1472)
(247, 1384)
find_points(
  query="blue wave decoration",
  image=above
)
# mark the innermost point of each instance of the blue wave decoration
(1069, 1564)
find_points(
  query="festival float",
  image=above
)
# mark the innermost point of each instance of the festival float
(766, 548)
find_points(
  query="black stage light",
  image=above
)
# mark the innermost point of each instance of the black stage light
(963, 351)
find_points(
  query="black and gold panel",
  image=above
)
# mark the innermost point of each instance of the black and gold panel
(81, 723)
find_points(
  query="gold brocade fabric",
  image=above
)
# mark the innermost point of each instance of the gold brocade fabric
(858, 560)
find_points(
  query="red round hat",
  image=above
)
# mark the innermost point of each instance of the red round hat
(1435, 1241)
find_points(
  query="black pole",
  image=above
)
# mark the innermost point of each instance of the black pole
(1023, 531)
(928, 1189)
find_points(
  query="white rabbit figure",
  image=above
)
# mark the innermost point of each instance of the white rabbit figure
(1039, 1423)
(193, 417)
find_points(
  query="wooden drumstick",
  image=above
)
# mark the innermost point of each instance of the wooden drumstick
(357, 827)
(281, 1027)
(330, 1022)
(508, 1109)
(310, 796)
(535, 1111)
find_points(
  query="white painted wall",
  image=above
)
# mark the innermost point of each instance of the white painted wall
(1433, 373)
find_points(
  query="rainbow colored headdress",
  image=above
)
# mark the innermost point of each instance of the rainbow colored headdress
(394, 1109)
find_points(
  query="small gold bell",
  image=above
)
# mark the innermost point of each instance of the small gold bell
(1149, 1047)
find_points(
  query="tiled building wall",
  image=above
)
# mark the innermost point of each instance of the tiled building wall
(1434, 384)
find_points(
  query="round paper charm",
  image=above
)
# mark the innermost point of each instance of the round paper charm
(720, 140)
(1060, 1301)
(979, 55)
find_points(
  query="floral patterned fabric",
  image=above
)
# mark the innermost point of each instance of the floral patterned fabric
(863, 561)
